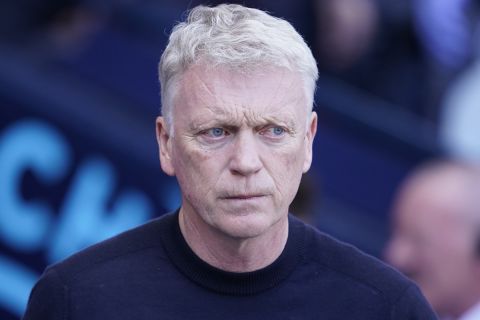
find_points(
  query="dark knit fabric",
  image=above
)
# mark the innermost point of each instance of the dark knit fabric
(151, 273)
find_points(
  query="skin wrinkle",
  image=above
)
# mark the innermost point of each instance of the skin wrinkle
(204, 85)
(250, 123)
(241, 74)
(244, 234)
(220, 260)
(228, 121)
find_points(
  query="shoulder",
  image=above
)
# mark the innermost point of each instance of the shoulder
(350, 262)
(97, 269)
(121, 249)
(358, 274)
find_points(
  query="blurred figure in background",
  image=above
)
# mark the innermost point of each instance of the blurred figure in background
(436, 236)
(406, 53)
(447, 31)
(460, 117)
(346, 30)
(371, 45)
(460, 113)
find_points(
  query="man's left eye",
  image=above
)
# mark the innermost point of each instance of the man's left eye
(274, 131)
(278, 131)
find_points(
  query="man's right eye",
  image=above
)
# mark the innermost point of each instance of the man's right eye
(215, 132)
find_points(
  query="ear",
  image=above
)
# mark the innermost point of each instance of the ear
(311, 131)
(164, 146)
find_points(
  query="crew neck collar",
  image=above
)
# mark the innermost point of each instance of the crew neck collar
(233, 283)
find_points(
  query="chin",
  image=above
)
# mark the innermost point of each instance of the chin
(246, 225)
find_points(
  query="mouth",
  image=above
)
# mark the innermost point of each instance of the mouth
(245, 197)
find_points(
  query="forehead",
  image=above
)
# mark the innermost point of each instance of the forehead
(228, 94)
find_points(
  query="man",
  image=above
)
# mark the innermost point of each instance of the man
(436, 236)
(237, 132)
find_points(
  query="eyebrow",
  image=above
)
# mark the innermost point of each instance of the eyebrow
(229, 122)
(199, 124)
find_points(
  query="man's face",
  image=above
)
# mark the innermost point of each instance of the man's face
(240, 145)
(433, 243)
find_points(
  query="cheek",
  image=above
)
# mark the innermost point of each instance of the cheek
(188, 168)
(189, 159)
(287, 172)
(293, 167)
(196, 170)
(294, 160)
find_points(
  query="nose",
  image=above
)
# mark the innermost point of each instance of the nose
(245, 159)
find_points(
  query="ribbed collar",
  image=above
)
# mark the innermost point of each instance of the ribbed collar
(224, 282)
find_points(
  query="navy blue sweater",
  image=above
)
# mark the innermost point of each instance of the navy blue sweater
(151, 273)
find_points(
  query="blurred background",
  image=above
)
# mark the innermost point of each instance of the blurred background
(79, 95)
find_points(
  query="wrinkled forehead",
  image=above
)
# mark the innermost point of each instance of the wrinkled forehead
(225, 89)
(268, 85)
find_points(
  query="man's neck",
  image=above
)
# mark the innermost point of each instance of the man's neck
(233, 254)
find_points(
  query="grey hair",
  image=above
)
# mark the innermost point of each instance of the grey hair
(236, 37)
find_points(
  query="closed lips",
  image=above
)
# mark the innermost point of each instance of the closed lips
(245, 197)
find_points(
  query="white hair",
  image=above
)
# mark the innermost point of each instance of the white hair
(236, 37)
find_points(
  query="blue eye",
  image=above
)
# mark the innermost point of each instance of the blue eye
(216, 132)
(273, 132)
(278, 131)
